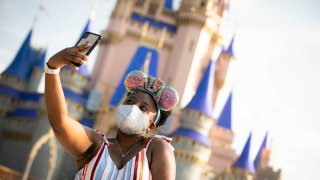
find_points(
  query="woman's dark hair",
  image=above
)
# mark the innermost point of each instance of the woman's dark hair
(163, 117)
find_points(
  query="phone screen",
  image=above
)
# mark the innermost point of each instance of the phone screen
(90, 39)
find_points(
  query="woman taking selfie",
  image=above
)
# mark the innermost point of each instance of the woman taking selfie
(131, 154)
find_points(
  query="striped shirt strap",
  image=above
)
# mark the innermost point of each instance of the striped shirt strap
(165, 138)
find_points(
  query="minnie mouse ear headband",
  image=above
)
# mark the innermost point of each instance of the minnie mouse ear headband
(165, 97)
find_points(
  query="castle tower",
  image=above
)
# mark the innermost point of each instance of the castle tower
(223, 155)
(197, 22)
(16, 75)
(191, 142)
(19, 74)
(261, 163)
(10, 82)
(243, 167)
(222, 67)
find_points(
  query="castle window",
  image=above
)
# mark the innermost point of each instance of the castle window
(203, 3)
(82, 78)
(79, 108)
(139, 3)
(152, 9)
(193, 143)
(90, 114)
(5, 77)
(191, 45)
(74, 75)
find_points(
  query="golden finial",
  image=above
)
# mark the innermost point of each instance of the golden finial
(162, 37)
(145, 67)
(144, 32)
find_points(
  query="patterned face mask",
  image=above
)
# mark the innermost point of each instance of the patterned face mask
(131, 120)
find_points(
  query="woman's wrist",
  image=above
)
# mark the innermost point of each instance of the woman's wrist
(49, 63)
(49, 69)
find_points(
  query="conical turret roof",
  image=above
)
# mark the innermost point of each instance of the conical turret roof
(244, 162)
(202, 100)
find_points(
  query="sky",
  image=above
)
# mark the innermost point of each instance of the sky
(274, 77)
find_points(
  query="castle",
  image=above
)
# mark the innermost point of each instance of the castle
(183, 47)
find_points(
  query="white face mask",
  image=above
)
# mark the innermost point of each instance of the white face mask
(131, 120)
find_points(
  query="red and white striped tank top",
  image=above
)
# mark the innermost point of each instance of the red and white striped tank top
(103, 167)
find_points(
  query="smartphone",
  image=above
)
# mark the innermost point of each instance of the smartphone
(91, 39)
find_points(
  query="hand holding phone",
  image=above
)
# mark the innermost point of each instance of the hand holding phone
(90, 39)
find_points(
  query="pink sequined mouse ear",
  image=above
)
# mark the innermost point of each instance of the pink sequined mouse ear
(135, 81)
(169, 99)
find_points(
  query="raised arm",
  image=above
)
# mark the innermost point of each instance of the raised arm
(74, 137)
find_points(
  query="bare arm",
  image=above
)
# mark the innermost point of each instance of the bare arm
(74, 137)
(163, 165)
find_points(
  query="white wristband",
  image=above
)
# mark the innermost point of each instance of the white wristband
(50, 71)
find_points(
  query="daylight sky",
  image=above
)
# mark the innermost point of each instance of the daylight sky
(274, 78)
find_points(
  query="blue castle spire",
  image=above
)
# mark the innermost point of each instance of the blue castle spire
(136, 64)
(19, 66)
(87, 27)
(244, 162)
(168, 4)
(226, 114)
(193, 135)
(262, 147)
(229, 49)
(202, 101)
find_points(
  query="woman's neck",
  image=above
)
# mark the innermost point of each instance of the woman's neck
(126, 139)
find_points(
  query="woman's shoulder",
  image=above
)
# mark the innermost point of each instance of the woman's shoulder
(160, 143)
